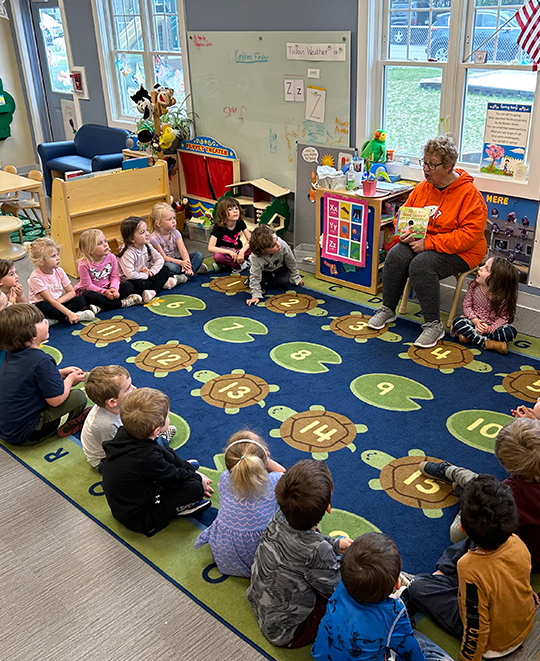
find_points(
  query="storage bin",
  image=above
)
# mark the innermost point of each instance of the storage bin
(305, 257)
(199, 232)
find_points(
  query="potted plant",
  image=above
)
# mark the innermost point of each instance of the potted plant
(369, 183)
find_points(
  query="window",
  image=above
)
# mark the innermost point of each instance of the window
(141, 46)
(52, 32)
(430, 81)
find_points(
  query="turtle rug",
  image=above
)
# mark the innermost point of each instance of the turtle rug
(304, 371)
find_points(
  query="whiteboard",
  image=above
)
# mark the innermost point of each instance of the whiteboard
(239, 86)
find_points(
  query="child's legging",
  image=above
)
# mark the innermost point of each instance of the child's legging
(227, 261)
(154, 282)
(465, 327)
(75, 304)
(95, 298)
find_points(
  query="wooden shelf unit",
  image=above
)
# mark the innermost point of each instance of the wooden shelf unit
(102, 202)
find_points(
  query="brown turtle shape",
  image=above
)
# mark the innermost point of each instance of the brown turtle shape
(108, 330)
(166, 358)
(523, 384)
(318, 431)
(230, 284)
(234, 391)
(446, 355)
(403, 481)
(355, 325)
(287, 303)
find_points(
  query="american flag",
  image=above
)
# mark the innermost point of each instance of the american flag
(528, 18)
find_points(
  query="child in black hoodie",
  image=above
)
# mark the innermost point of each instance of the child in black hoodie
(146, 484)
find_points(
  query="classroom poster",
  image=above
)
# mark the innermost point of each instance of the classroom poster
(344, 229)
(505, 137)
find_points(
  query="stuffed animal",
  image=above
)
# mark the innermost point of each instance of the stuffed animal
(162, 98)
(144, 102)
(167, 137)
(375, 149)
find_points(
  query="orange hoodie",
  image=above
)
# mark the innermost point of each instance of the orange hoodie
(458, 218)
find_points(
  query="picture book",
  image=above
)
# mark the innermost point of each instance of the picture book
(412, 221)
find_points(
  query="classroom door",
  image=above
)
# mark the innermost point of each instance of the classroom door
(53, 63)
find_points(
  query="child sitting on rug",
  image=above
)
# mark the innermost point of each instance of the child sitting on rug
(9, 283)
(517, 447)
(246, 503)
(364, 620)
(139, 263)
(35, 393)
(98, 270)
(226, 239)
(168, 241)
(481, 591)
(147, 485)
(489, 307)
(295, 568)
(272, 263)
(50, 288)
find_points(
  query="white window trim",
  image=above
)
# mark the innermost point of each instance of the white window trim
(109, 88)
(370, 90)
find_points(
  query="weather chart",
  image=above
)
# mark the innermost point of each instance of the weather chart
(344, 229)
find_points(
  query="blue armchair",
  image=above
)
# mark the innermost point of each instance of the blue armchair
(94, 148)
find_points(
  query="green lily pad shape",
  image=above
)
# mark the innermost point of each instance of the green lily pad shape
(232, 392)
(52, 351)
(390, 391)
(101, 332)
(304, 357)
(403, 481)
(317, 431)
(237, 330)
(523, 384)
(164, 358)
(354, 326)
(175, 305)
(341, 523)
(477, 428)
(182, 431)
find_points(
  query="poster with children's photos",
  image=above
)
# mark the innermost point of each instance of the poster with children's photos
(344, 230)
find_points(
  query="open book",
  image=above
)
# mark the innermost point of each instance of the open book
(412, 221)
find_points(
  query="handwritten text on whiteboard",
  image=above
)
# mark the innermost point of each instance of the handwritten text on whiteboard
(319, 52)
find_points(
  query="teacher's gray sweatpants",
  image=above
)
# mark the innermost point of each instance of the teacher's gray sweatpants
(425, 269)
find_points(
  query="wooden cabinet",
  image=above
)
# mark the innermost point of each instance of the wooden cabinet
(354, 223)
(103, 201)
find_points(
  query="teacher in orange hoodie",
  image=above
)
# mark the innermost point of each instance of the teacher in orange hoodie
(454, 241)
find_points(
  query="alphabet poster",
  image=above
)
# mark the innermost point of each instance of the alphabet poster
(345, 222)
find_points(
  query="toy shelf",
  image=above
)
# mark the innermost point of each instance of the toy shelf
(103, 202)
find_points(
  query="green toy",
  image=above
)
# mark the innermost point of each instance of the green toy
(375, 149)
(7, 108)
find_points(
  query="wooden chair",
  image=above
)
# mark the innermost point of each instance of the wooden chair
(16, 205)
(11, 197)
(460, 278)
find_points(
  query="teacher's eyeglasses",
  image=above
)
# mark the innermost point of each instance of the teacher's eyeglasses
(428, 166)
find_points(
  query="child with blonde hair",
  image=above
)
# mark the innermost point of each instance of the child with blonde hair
(98, 270)
(50, 288)
(140, 263)
(168, 241)
(226, 238)
(246, 503)
(9, 283)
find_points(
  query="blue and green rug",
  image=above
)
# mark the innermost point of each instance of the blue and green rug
(304, 371)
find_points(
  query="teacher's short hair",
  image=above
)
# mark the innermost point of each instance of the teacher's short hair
(444, 148)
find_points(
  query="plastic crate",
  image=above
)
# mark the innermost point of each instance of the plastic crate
(199, 232)
(305, 257)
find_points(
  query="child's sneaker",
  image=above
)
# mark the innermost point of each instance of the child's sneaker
(202, 269)
(171, 282)
(180, 279)
(131, 300)
(74, 425)
(436, 469)
(241, 267)
(216, 267)
(52, 322)
(169, 433)
(194, 463)
(95, 309)
(199, 507)
(148, 295)
(86, 315)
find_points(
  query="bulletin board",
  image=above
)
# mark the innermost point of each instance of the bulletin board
(240, 82)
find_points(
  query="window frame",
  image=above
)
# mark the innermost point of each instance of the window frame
(103, 14)
(372, 32)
